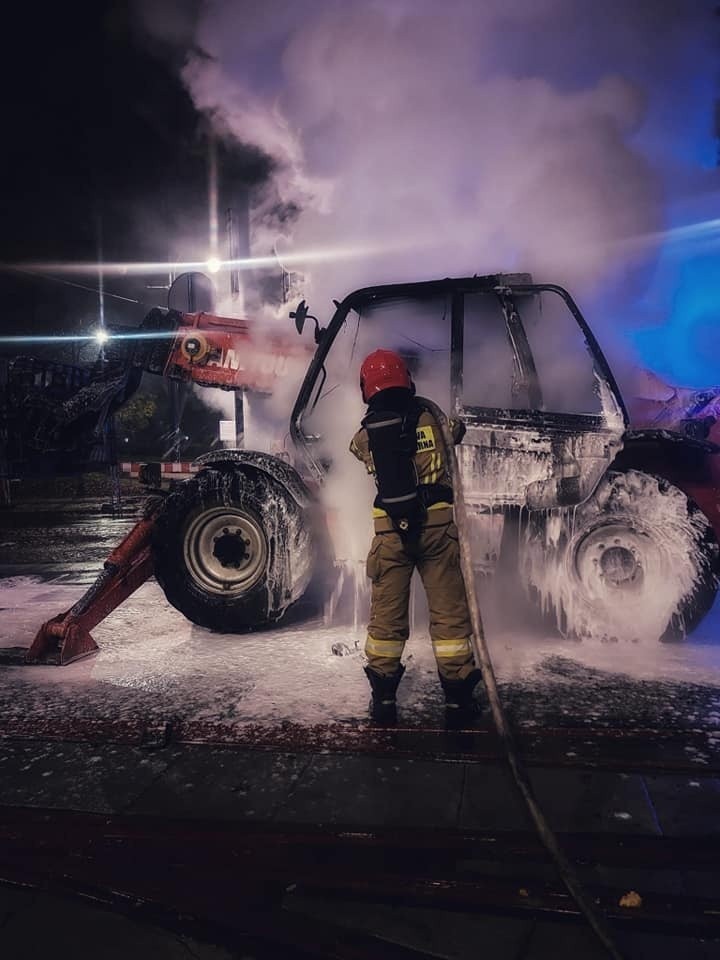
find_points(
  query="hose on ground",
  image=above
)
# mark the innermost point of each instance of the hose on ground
(482, 655)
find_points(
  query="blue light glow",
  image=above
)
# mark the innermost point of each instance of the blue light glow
(685, 348)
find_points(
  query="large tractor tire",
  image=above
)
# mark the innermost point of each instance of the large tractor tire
(636, 561)
(232, 549)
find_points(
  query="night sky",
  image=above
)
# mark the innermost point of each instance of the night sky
(101, 142)
(93, 123)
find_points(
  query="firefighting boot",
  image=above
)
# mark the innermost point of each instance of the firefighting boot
(461, 709)
(383, 710)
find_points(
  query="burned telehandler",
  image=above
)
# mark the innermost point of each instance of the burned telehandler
(613, 532)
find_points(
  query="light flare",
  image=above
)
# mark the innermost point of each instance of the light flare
(138, 268)
(86, 337)
(707, 231)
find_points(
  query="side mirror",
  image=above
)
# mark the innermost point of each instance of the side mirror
(299, 316)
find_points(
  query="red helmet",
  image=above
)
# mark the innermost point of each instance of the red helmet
(381, 370)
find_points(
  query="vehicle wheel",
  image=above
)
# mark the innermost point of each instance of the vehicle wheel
(638, 560)
(231, 548)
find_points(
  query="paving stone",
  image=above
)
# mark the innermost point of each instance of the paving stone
(657, 946)
(63, 927)
(644, 881)
(594, 801)
(685, 805)
(573, 801)
(223, 784)
(491, 801)
(443, 933)
(559, 940)
(527, 873)
(562, 941)
(700, 883)
(376, 792)
(12, 900)
(76, 776)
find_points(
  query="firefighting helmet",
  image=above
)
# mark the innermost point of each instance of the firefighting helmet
(381, 370)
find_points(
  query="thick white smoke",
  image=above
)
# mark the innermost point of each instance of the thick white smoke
(457, 137)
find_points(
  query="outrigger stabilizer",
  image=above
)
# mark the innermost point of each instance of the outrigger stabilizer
(66, 637)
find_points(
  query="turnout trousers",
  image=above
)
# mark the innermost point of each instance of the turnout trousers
(390, 565)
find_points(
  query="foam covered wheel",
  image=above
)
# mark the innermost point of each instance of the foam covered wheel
(231, 549)
(638, 560)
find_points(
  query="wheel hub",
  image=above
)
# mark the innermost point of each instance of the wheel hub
(636, 561)
(618, 565)
(225, 550)
(230, 548)
(611, 557)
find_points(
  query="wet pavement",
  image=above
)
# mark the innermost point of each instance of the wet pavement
(172, 724)
(61, 538)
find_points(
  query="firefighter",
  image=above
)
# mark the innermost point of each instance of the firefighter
(401, 445)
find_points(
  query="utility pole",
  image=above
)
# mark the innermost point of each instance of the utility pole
(233, 249)
(109, 439)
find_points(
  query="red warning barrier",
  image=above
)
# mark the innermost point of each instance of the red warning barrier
(182, 467)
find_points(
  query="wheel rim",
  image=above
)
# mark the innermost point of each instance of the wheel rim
(625, 578)
(612, 560)
(225, 551)
(634, 561)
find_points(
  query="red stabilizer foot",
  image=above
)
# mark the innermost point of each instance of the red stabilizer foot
(67, 637)
(58, 643)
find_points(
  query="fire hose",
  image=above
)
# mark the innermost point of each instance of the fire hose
(482, 655)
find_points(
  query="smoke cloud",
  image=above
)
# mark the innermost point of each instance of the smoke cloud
(459, 137)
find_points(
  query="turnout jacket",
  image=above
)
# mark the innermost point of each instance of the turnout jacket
(433, 470)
